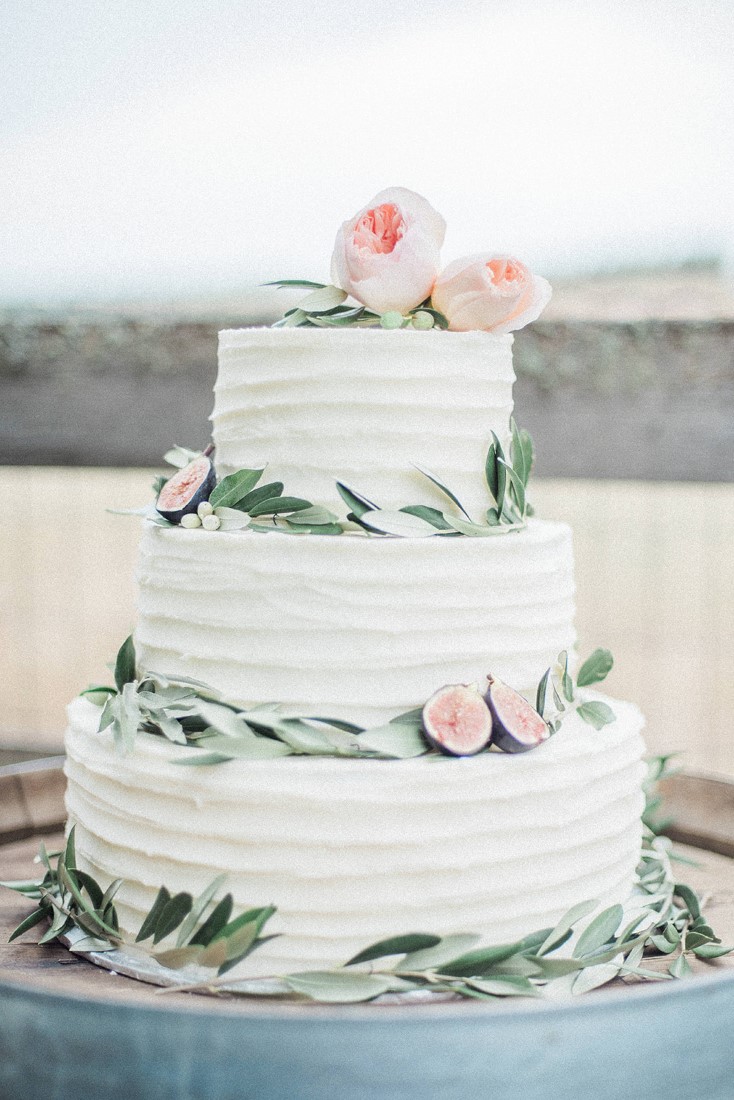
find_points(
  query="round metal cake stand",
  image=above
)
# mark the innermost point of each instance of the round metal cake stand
(69, 1029)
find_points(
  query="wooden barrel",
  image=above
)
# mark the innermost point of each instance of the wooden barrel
(69, 1029)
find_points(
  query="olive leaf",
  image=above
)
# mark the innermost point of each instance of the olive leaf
(339, 986)
(395, 945)
(356, 503)
(322, 299)
(231, 519)
(278, 504)
(398, 740)
(125, 663)
(398, 523)
(430, 958)
(596, 714)
(180, 456)
(595, 668)
(599, 932)
(430, 515)
(304, 284)
(444, 488)
(231, 489)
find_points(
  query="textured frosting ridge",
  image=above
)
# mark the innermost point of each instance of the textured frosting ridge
(353, 627)
(351, 851)
(363, 405)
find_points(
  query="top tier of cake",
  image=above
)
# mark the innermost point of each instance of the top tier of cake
(363, 406)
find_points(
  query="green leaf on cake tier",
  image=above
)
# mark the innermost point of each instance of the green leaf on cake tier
(516, 493)
(521, 452)
(395, 945)
(235, 748)
(430, 515)
(342, 986)
(540, 698)
(125, 663)
(403, 524)
(231, 519)
(303, 284)
(343, 318)
(171, 915)
(257, 496)
(411, 717)
(323, 299)
(563, 929)
(231, 489)
(596, 714)
(278, 505)
(293, 528)
(599, 932)
(224, 720)
(432, 958)
(180, 456)
(593, 977)
(315, 741)
(356, 503)
(398, 740)
(479, 530)
(566, 681)
(495, 473)
(444, 488)
(313, 516)
(595, 668)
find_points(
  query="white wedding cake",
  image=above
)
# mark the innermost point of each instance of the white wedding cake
(360, 628)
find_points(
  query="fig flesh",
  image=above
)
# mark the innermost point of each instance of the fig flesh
(457, 721)
(186, 490)
(517, 726)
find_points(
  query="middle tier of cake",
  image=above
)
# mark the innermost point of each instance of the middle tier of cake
(353, 627)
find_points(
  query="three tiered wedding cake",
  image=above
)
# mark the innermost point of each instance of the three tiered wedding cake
(327, 806)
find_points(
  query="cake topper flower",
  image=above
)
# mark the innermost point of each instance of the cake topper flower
(388, 255)
(387, 259)
(489, 292)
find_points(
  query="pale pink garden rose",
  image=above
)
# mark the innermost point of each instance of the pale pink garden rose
(491, 293)
(388, 255)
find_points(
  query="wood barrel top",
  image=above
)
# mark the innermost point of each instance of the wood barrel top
(67, 1026)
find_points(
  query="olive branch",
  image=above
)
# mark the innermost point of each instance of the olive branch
(668, 924)
(239, 502)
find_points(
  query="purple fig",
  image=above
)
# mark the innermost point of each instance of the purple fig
(186, 490)
(517, 726)
(457, 720)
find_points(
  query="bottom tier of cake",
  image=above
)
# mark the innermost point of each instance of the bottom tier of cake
(351, 851)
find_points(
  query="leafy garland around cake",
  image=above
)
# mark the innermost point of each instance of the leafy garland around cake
(193, 498)
(326, 306)
(669, 924)
(458, 720)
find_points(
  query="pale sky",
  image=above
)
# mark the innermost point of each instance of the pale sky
(172, 148)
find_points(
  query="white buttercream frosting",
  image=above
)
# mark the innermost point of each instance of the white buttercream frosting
(352, 851)
(353, 627)
(361, 628)
(363, 406)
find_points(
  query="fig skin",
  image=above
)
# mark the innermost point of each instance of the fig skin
(186, 490)
(457, 721)
(516, 725)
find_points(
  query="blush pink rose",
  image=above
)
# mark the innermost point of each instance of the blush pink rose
(488, 292)
(387, 255)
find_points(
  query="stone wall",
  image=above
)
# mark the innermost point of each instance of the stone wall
(602, 398)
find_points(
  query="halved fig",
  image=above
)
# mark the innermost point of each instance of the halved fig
(457, 720)
(185, 491)
(517, 726)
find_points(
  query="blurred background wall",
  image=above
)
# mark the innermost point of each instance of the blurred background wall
(159, 161)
